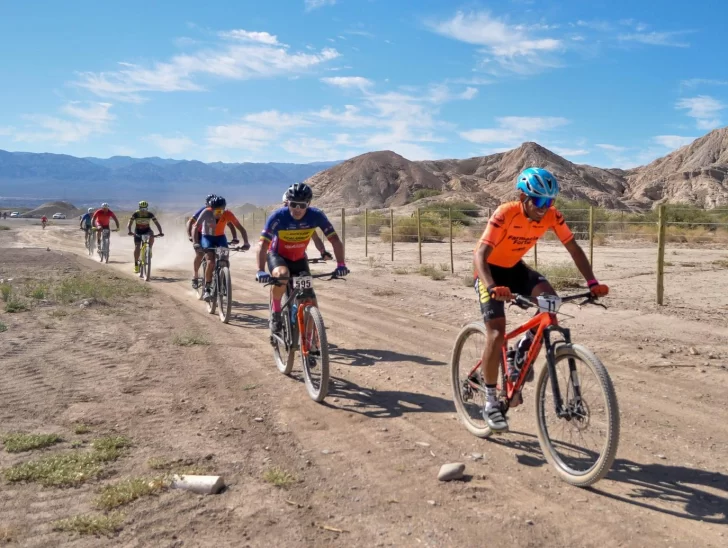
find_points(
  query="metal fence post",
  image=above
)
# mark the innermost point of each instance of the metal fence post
(661, 254)
(535, 255)
(452, 260)
(366, 233)
(419, 235)
(391, 230)
(343, 228)
(591, 236)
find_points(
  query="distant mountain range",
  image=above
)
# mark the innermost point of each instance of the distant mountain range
(124, 180)
(695, 174)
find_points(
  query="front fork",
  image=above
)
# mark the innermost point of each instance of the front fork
(575, 402)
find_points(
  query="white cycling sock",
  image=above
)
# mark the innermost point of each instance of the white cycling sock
(490, 397)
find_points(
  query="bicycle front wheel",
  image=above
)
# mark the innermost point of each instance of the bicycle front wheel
(315, 354)
(582, 443)
(147, 263)
(224, 294)
(212, 303)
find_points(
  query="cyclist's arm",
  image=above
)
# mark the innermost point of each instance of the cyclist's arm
(234, 232)
(318, 243)
(116, 220)
(243, 232)
(128, 226)
(191, 221)
(156, 222)
(481, 264)
(338, 248)
(263, 246)
(580, 259)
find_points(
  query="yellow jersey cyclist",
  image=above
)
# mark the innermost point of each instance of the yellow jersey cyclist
(512, 230)
(212, 222)
(142, 218)
(284, 240)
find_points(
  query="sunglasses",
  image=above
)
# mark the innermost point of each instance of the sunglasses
(542, 203)
(298, 205)
(219, 211)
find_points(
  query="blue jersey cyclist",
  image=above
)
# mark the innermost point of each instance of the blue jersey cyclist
(284, 240)
(85, 224)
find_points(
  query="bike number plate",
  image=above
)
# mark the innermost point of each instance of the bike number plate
(302, 282)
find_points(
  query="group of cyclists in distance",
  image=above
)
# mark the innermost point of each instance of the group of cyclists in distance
(499, 270)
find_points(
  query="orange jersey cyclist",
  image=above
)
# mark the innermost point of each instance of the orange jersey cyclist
(513, 229)
(284, 240)
(101, 219)
(212, 222)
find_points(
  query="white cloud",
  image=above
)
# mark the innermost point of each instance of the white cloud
(6, 130)
(514, 129)
(246, 55)
(123, 151)
(276, 120)
(251, 36)
(705, 109)
(348, 82)
(602, 26)
(81, 123)
(315, 4)
(611, 148)
(570, 152)
(509, 45)
(240, 136)
(695, 82)
(656, 38)
(170, 145)
(673, 141)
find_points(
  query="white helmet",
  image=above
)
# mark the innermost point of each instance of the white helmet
(105, 205)
(90, 210)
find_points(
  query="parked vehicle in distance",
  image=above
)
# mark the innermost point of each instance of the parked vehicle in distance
(15, 214)
(59, 216)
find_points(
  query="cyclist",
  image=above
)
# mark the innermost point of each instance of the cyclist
(101, 219)
(198, 250)
(212, 222)
(85, 223)
(284, 240)
(142, 217)
(314, 238)
(44, 221)
(512, 230)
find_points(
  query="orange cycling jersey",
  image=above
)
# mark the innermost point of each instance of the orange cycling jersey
(207, 225)
(511, 233)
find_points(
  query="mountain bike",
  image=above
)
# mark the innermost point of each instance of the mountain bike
(88, 241)
(580, 415)
(145, 256)
(221, 289)
(304, 330)
(105, 244)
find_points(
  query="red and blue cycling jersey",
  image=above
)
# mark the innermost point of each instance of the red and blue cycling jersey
(289, 238)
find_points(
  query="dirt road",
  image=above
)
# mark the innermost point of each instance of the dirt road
(365, 461)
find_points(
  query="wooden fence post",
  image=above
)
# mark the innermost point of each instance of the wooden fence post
(661, 255)
(419, 235)
(452, 260)
(366, 233)
(391, 230)
(535, 255)
(591, 236)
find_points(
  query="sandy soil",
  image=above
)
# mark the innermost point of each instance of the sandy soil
(367, 459)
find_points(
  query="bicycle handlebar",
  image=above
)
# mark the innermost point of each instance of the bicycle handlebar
(279, 280)
(528, 302)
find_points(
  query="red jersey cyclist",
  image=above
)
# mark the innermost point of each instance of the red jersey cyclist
(513, 229)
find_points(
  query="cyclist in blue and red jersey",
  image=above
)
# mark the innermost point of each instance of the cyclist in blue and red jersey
(284, 240)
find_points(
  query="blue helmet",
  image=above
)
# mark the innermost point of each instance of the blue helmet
(537, 183)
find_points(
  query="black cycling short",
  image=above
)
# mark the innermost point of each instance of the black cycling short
(294, 267)
(518, 278)
(138, 233)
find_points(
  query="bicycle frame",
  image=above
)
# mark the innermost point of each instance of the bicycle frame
(547, 324)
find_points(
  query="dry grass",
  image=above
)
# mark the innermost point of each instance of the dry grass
(3, 327)
(190, 339)
(432, 272)
(128, 490)
(8, 534)
(19, 442)
(279, 477)
(81, 428)
(467, 279)
(90, 524)
(384, 292)
(562, 275)
(401, 271)
(723, 263)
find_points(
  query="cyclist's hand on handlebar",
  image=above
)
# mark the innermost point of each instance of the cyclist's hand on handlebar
(341, 270)
(262, 277)
(234, 242)
(130, 233)
(597, 289)
(326, 256)
(246, 246)
(197, 247)
(500, 293)
(160, 235)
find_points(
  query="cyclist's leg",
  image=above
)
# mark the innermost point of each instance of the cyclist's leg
(137, 244)
(199, 254)
(278, 267)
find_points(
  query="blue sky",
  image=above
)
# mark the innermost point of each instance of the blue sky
(612, 83)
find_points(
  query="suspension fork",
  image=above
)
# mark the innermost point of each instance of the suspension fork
(551, 362)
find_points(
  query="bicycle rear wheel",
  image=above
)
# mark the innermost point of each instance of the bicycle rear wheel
(469, 400)
(284, 358)
(212, 303)
(201, 279)
(316, 363)
(581, 446)
(224, 294)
